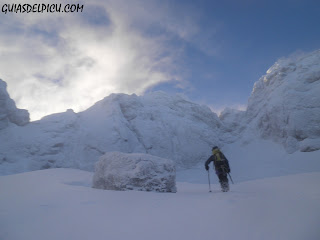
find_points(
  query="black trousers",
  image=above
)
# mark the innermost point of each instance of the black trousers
(223, 177)
(224, 182)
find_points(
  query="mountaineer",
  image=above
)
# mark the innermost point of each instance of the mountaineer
(222, 167)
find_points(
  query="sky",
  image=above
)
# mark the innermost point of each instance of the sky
(212, 52)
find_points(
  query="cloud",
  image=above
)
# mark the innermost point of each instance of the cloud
(57, 61)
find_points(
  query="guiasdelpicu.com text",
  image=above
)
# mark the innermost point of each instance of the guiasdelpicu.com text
(41, 8)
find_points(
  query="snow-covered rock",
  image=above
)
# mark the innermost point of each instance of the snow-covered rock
(234, 124)
(285, 103)
(135, 171)
(9, 113)
(156, 123)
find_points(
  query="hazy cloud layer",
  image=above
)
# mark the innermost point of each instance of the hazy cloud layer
(57, 61)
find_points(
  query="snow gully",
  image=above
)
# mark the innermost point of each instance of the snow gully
(41, 8)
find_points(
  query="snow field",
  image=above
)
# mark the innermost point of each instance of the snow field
(60, 204)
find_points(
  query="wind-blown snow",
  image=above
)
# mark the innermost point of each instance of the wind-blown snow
(60, 204)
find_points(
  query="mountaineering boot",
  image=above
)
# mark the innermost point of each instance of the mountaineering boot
(225, 186)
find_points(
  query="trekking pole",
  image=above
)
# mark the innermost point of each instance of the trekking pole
(230, 178)
(209, 181)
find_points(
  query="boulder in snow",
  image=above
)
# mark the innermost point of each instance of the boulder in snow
(135, 171)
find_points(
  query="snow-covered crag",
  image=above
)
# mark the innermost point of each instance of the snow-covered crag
(135, 171)
(285, 103)
(9, 113)
(284, 106)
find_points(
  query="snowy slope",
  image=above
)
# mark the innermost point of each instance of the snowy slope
(256, 160)
(60, 204)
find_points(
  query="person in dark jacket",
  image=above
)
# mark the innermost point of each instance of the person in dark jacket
(222, 167)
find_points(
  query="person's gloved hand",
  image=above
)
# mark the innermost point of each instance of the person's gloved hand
(207, 168)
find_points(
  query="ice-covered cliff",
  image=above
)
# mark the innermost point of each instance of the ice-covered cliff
(9, 113)
(285, 103)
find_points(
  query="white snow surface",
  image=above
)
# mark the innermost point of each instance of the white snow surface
(60, 204)
(134, 171)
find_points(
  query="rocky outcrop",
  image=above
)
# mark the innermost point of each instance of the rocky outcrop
(285, 103)
(9, 113)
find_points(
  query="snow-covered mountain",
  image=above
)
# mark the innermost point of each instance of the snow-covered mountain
(284, 106)
(157, 124)
(285, 103)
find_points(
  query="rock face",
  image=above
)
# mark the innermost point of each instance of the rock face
(284, 106)
(157, 124)
(9, 113)
(136, 171)
(285, 103)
